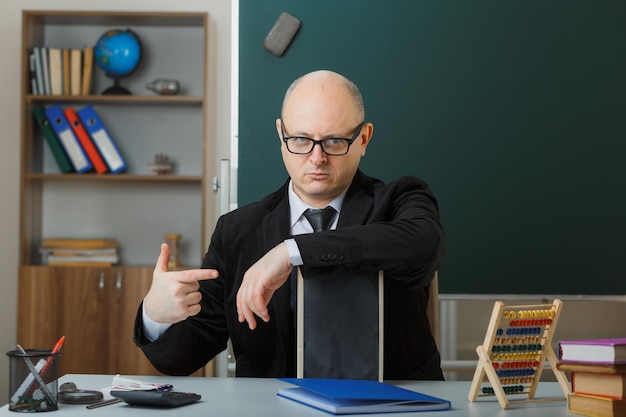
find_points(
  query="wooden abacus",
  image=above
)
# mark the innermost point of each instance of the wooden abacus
(517, 344)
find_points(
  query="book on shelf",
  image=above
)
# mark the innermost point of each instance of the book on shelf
(78, 243)
(77, 263)
(55, 56)
(68, 139)
(350, 396)
(76, 68)
(66, 72)
(77, 252)
(85, 140)
(52, 140)
(602, 351)
(41, 87)
(103, 140)
(595, 406)
(45, 65)
(32, 67)
(85, 89)
(100, 259)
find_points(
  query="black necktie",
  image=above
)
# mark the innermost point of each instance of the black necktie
(320, 219)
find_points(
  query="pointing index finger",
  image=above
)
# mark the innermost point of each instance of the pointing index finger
(195, 275)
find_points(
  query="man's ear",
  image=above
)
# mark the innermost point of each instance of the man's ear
(367, 131)
(278, 130)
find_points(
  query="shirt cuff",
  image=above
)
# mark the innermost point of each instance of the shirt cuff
(152, 329)
(294, 252)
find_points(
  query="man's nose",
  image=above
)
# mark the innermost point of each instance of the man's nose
(317, 154)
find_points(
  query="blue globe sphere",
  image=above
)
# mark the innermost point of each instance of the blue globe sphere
(118, 52)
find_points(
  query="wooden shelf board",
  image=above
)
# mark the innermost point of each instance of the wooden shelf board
(118, 99)
(113, 177)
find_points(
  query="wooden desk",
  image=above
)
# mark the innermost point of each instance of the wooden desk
(240, 397)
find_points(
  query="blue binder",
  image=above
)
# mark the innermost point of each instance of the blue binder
(103, 140)
(68, 139)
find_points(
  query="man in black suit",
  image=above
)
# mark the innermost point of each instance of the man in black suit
(242, 291)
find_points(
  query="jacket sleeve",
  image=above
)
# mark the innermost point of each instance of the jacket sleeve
(188, 345)
(401, 235)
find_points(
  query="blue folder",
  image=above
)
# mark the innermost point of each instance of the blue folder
(102, 139)
(350, 396)
(68, 139)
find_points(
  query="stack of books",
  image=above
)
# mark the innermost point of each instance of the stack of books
(598, 375)
(61, 71)
(79, 252)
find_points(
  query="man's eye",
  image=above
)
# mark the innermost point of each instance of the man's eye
(301, 141)
(334, 142)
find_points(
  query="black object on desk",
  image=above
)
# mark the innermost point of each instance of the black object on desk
(156, 398)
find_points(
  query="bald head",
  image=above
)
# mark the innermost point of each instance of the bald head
(327, 82)
(323, 106)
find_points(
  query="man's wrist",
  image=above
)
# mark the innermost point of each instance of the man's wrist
(294, 252)
(152, 329)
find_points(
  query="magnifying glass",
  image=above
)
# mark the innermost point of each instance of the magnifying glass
(70, 394)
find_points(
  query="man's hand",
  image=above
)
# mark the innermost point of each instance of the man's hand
(174, 295)
(259, 284)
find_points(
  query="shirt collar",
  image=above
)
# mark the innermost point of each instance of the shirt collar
(297, 206)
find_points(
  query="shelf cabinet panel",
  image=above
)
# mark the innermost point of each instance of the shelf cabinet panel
(94, 308)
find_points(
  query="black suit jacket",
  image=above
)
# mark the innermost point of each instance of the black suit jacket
(393, 227)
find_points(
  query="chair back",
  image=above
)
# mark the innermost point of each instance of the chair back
(432, 310)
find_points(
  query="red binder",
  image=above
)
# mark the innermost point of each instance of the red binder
(85, 140)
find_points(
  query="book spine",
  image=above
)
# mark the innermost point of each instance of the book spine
(46, 70)
(87, 70)
(33, 74)
(76, 68)
(56, 71)
(78, 243)
(41, 88)
(66, 72)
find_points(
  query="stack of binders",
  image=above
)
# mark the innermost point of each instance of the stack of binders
(78, 140)
(598, 375)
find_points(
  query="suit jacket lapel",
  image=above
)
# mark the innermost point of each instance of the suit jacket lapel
(358, 203)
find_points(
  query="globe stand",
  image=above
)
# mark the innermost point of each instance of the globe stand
(117, 89)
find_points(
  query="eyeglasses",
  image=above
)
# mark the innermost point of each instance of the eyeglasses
(301, 145)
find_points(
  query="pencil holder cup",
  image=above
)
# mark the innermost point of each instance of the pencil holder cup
(33, 378)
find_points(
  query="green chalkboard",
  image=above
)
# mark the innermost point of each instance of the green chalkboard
(513, 111)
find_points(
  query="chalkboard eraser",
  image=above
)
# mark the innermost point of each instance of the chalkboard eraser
(281, 35)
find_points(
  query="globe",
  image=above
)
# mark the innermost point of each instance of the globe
(118, 53)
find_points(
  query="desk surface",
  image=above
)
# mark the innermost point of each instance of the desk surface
(239, 397)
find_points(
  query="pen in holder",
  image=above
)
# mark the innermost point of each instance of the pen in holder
(33, 375)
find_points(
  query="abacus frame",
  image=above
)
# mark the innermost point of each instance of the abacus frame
(540, 319)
